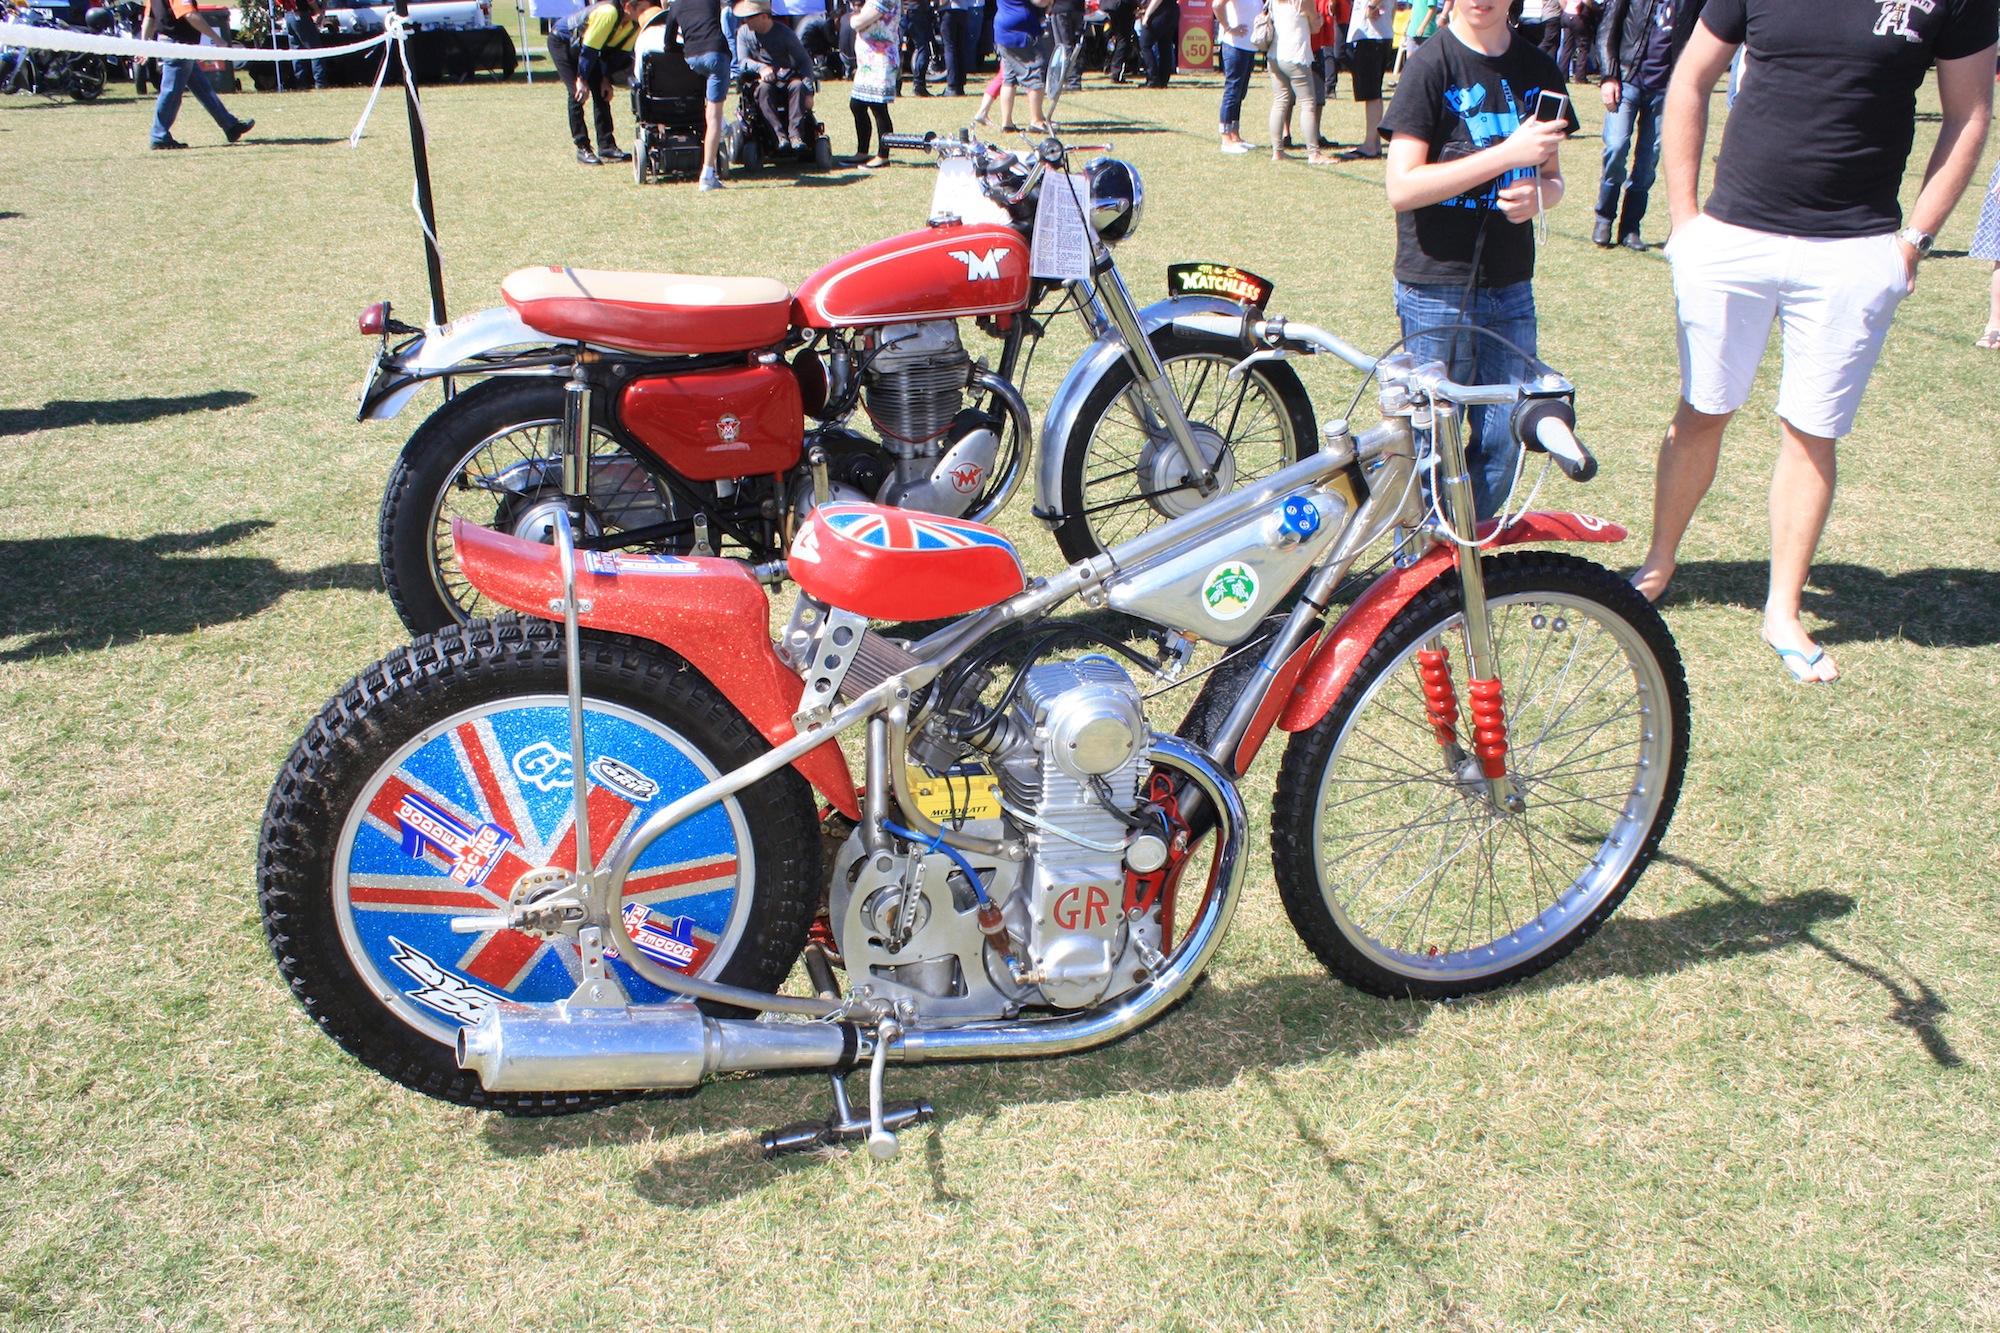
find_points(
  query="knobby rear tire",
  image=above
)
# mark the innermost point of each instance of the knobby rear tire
(350, 751)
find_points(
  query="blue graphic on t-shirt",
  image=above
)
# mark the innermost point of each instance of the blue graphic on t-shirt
(1486, 128)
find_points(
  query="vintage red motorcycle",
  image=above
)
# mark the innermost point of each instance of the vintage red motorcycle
(683, 414)
(542, 864)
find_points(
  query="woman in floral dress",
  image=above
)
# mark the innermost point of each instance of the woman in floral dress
(878, 43)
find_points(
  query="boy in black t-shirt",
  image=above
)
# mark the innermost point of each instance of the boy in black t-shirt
(1801, 231)
(1469, 167)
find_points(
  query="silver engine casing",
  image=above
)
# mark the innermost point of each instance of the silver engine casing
(914, 390)
(1065, 902)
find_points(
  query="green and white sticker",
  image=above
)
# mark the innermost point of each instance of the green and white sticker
(1230, 590)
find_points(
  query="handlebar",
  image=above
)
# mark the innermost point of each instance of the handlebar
(1548, 425)
(920, 142)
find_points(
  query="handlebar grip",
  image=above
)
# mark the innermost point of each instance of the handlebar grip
(919, 142)
(1555, 436)
(1548, 425)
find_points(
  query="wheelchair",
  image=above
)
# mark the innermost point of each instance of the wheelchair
(669, 102)
(751, 140)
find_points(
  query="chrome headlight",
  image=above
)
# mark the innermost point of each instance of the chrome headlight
(1117, 198)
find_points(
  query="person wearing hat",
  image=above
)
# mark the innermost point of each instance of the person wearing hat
(773, 52)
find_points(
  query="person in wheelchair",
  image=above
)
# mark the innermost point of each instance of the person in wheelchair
(772, 53)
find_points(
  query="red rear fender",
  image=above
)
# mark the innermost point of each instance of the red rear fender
(1340, 650)
(711, 612)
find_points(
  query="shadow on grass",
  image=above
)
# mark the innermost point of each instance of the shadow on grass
(115, 411)
(1932, 608)
(94, 592)
(1218, 1032)
(294, 140)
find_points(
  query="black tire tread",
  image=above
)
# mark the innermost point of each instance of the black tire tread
(376, 712)
(1294, 820)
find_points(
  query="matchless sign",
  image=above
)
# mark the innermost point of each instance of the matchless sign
(1224, 280)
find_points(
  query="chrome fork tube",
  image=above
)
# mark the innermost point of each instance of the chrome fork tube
(1152, 374)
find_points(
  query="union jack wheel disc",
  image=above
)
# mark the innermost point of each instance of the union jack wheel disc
(449, 825)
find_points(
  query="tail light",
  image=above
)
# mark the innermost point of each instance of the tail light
(375, 320)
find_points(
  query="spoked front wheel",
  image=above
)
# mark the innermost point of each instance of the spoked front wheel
(1396, 866)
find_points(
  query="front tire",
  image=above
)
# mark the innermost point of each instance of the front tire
(468, 732)
(1395, 867)
(493, 456)
(1121, 477)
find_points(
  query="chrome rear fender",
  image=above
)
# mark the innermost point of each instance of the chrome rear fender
(400, 371)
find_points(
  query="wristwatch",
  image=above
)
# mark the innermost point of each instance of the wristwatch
(1920, 241)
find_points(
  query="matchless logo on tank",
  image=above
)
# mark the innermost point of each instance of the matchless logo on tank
(1230, 590)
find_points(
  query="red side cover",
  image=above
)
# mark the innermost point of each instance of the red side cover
(709, 611)
(1342, 647)
(708, 425)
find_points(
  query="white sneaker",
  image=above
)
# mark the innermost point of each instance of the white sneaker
(1238, 147)
(709, 181)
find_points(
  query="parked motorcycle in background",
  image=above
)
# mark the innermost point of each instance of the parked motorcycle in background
(680, 414)
(541, 865)
(77, 75)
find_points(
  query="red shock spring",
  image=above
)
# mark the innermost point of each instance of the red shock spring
(1440, 697)
(1489, 727)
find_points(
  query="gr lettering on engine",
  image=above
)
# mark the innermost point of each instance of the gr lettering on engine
(1082, 907)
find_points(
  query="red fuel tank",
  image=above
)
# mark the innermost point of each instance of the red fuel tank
(709, 425)
(943, 272)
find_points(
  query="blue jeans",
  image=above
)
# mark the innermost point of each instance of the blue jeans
(183, 76)
(1634, 126)
(917, 25)
(1236, 63)
(961, 46)
(1508, 311)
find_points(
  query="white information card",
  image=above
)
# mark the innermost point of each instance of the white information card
(1062, 228)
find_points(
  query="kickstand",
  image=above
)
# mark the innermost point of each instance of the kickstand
(878, 1126)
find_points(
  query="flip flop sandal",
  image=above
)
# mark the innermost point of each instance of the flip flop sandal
(1989, 340)
(1801, 664)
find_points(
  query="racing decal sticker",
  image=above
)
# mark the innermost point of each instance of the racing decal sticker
(624, 779)
(455, 824)
(450, 995)
(473, 853)
(610, 564)
(1230, 590)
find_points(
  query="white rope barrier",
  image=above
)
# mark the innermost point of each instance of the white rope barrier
(38, 38)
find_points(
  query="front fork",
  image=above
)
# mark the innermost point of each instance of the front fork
(1489, 719)
(1106, 298)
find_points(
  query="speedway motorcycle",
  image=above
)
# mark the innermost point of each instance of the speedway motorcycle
(547, 862)
(681, 414)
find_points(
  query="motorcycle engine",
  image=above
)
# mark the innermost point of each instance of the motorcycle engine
(1064, 771)
(914, 391)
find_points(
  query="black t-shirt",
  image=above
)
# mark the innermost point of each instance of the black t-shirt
(700, 25)
(1821, 130)
(1459, 102)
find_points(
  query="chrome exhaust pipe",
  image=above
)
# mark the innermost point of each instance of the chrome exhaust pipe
(565, 1047)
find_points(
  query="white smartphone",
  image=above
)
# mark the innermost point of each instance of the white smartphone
(1551, 106)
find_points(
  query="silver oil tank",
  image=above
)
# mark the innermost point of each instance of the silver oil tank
(1218, 586)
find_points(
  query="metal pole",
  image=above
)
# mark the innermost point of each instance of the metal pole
(421, 159)
(527, 52)
(277, 66)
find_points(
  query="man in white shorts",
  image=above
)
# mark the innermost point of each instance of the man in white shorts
(1802, 229)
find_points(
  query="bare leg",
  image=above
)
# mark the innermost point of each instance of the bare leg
(1371, 137)
(1686, 470)
(711, 134)
(1007, 104)
(1035, 106)
(1801, 496)
(1993, 309)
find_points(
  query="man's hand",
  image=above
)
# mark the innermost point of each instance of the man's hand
(1521, 200)
(1911, 258)
(582, 91)
(1609, 91)
(1533, 143)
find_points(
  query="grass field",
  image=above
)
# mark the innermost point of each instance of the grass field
(1764, 1097)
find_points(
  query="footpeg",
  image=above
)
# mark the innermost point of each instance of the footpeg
(843, 1126)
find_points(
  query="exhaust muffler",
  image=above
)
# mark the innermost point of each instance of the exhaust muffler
(563, 1047)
